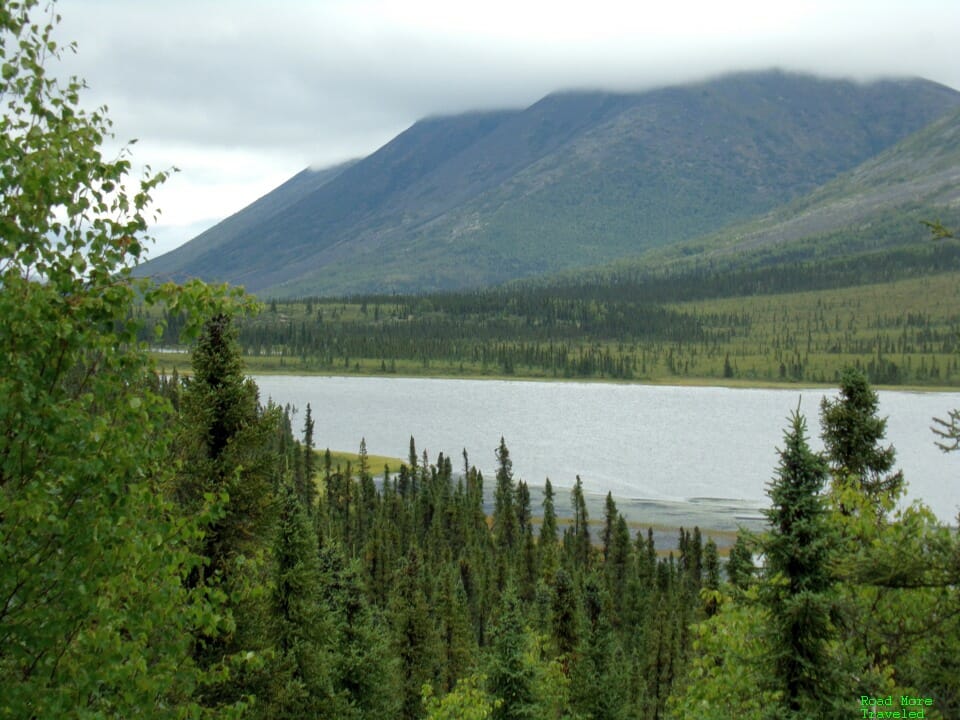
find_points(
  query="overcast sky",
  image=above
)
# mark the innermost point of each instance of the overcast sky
(241, 95)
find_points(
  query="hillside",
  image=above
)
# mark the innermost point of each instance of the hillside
(576, 179)
(878, 207)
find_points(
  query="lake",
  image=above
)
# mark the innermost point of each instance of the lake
(709, 448)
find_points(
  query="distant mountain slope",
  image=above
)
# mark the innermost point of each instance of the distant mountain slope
(575, 179)
(877, 206)
(258, 213)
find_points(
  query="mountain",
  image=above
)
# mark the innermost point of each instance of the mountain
(578, 178)
(878, 207)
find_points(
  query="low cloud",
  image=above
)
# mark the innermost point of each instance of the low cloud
(303, 83)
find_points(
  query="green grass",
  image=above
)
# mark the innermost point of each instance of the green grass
(342, 458)
(913, 323)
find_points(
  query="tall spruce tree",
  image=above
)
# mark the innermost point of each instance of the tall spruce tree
(308, 489)
(228, 445)
(618, 567)
(576, 538)
(547, 541)
(228, 448)
(710, 592)
(505, 524)
(609, 523)
(797, 588)
(301, 684)
(415, 642)
(511, 678)
(852, 432)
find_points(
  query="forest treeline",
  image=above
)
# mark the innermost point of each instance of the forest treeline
(892, 314)
(362, 593)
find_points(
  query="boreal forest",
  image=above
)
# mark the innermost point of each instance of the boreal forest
(695, 326)
(173, 547)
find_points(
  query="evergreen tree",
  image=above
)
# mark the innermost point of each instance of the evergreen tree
(609, 523)
(300, 626)
(456, 637)
(711, 584)
(362, 669)
(565, 623)
(598, 663)
(228, 445)
(367, 500)
(740, 567)
(547, 542)
(948, 431)
(852, 433)
(412, 454)
(798, 588)
(505, 524)
(548, 528)
(618, 568)
(229, 449)
(511, 677)
(529, 558)
(577, 545)
(415, 640)
(308, 491)
(663, 652)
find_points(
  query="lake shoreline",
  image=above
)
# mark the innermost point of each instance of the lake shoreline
(664, 449)
(180, 362)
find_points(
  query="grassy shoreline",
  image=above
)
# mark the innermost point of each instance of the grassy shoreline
(167, 362)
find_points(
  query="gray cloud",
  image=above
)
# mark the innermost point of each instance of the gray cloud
(282, 85)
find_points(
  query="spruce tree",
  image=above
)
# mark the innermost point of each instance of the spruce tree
(547, 542)
(511, 678)
(228, 445)
(609, 523)
(301, 628)
(597, 687)
(363, 672)
(710, 593)
(456, 638)
(852, 432)
(308, 491)
(528, 560)
(565, 620)
(948, 430)
(798, 588)
(740, 567)
(548, 528)
(618, 567)
(505, 523)
(576, 538)
(414, 636)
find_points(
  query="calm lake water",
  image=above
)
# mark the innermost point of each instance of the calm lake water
(701, 445)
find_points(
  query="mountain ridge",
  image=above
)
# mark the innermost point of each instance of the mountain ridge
(576, 179)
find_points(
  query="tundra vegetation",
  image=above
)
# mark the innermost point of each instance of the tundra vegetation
(172, 547)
